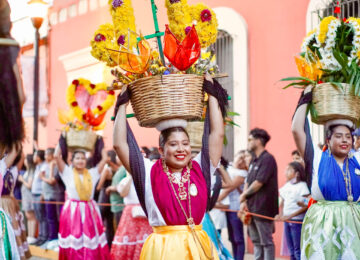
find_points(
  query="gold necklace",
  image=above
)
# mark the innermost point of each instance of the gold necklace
(190, 219)
(347, 179)
(183, 179)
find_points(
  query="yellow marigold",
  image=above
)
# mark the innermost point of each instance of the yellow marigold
(123, 19)
(179, 17)
(104, 37)
(324, 27)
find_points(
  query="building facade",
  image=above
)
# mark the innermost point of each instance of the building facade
(261, 40)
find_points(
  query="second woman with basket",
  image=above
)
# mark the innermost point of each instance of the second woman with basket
(331, 228)
(81, 230)
(175, 190)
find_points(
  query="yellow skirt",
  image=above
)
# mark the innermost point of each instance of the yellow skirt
(178, 242)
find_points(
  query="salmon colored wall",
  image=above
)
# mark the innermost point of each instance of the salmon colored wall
(275, 30)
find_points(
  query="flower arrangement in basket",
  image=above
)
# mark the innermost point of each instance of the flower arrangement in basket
(88, 105)
(329, 60)
(161, 88)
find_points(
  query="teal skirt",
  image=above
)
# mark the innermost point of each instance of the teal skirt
(331, 230)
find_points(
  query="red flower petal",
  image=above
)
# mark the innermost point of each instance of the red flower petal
(99, 107)
(74, 104)
(92, 86)
(111, 92)
(75, 82)
(337, 10)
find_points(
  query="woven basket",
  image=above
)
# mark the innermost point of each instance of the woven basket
(195, 131)
(164, 97)
(80, 139)
(334, 103)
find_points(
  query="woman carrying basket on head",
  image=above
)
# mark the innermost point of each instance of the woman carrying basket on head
(175, 190)
(81, 230)
(331, 228)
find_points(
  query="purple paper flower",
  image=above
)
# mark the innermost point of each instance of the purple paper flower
(187, 29)
(117, 3)
(121, 40)
(205, 15)
(99, 37)
(174, 1)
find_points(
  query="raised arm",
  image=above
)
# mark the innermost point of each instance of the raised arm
(120, 144)
(298, 124)
(11, 156)
(297, 129)
(101, 164)
(59, 160)
(216, 137)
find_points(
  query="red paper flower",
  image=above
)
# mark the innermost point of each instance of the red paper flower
(320, 82)
(337, 10)
(92, 86)
(99, 37)
(205, 15)
(111, 92)
(75, 82)
(74, 104)
(182, 54)
(99, 107)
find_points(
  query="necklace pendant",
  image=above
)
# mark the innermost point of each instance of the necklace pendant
(191, 222)
(350, 198)
(357, 172)
(193, 190)
(183, 195)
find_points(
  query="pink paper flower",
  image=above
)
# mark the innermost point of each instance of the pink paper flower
(117, 3)
(99, 37)
(121, 40)
(205, 15)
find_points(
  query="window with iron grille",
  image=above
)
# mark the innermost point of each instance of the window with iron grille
(224, 59)
(349, 8)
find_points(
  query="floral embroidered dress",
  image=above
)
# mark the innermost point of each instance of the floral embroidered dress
(9, 204)
(132, 230)
(8, 243)
(81, 231)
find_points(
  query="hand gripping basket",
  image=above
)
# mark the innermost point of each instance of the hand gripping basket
(165, 97)
(332, 102)
(80, 139)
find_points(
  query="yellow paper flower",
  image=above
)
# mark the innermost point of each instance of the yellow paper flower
(104, 38)
(115, 36)
(181, 16)
(324, 27)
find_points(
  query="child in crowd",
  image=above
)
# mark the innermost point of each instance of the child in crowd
(291, 193)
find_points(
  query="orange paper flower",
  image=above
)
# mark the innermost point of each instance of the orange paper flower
(133, 61)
